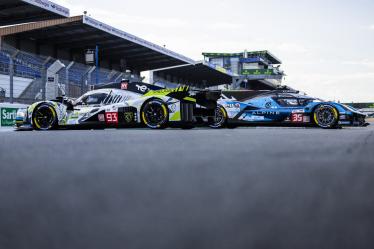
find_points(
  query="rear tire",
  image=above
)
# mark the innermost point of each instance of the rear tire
(326, 116)
(220, 119)
(44, 118)
(155, 114)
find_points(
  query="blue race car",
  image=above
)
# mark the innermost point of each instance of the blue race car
(282, 107)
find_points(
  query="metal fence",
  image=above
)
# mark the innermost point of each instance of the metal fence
(23, 76)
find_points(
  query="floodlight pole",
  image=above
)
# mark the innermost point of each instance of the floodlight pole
(97, 63)
(11, 75)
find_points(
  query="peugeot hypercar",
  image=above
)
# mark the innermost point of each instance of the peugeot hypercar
(122, 105)
(282, 107)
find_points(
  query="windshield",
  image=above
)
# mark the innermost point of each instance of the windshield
(287, 102)
(91, 99)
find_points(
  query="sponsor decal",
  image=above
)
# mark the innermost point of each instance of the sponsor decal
(233, 106)
(172, 108)
(8, 116)
(129, 117)
(142, 88)
(124, 86)
(263, 113)
(111, 117)
(268, 105)
(101, 117)
(253, 118)
(298, 111)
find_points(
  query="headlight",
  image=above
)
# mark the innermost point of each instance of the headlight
(21, 115)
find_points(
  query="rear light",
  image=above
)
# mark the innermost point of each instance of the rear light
(101, 117)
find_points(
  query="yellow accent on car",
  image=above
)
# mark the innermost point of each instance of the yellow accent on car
(165, 110)
(224, 112)
(190, 99)
(144, 119)
(315, 118)
(164, 92)
(176, 116)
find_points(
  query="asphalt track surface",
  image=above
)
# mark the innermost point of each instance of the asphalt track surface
(187, 189)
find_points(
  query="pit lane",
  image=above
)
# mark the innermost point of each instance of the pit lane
(137, 188)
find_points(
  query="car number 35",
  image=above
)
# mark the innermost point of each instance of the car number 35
(297, 118)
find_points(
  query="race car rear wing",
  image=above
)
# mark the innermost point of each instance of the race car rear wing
(207, 98)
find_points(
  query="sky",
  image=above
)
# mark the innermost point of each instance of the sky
(327, 47)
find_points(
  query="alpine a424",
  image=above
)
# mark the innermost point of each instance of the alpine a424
(283, 107)
(123, 105)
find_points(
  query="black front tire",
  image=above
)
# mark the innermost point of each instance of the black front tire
(155, 114)
(326, 116)
(44, 118)
(220, 119)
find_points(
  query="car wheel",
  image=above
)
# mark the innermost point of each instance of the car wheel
(326, 116)
(44, 117)
(220, 118)
(155, 114)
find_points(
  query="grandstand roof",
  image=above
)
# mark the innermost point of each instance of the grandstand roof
(23, 11)
(201, 73)
(82, 32)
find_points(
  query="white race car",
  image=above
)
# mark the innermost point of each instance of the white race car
(122, 105)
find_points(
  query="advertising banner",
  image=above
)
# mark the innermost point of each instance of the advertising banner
(252, 60)
(8, 116)
(258, 72)
(45, 4)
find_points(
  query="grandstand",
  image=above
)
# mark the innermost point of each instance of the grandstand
(48, 34)
(43, 48)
